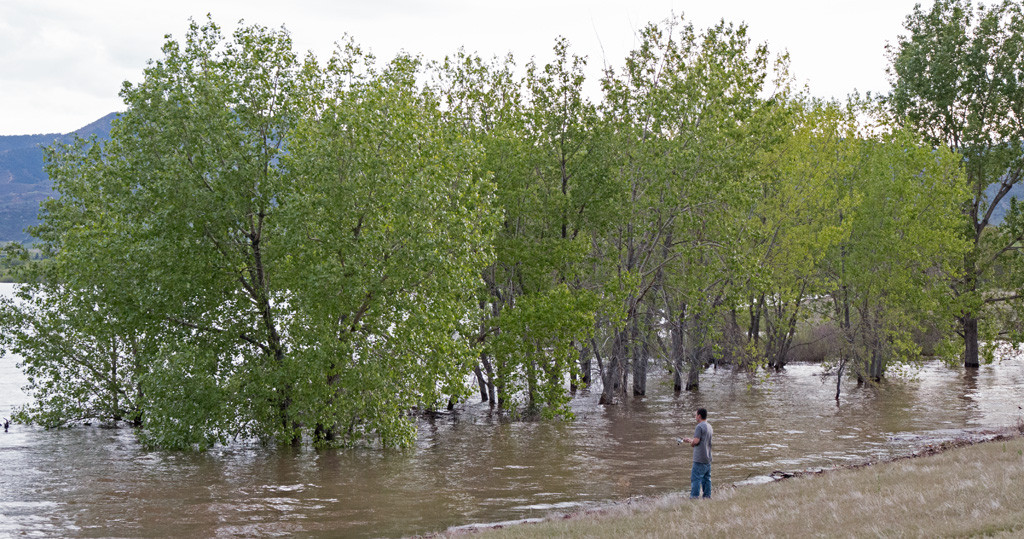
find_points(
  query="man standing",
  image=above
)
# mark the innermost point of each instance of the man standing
(700, 475)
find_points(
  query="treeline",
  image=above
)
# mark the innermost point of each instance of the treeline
(277, 248)
(17, 262)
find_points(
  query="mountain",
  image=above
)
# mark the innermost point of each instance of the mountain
(23, 183)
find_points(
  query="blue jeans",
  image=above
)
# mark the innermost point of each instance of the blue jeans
(700, 477)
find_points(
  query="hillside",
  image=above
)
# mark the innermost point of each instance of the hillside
(23, 183)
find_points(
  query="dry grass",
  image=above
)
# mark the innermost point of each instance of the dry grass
(814, 344)
(976, 490)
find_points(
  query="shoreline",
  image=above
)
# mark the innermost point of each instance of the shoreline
(639, 505)
(980, 436)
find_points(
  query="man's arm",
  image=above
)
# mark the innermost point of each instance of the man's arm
(697, 435)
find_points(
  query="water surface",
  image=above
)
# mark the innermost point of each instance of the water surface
(471, 467)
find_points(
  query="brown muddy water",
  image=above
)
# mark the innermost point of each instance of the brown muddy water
(472, 468)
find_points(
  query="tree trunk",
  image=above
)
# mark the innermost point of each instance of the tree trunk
(678, 355)
(698, 351)
(639, 362)
(585, 356)
(481, 382)
(877, 366)
(839, 375)
(531, 383)
(114, 389)
(490, 380)
(625, 369)
(486, 385)
(677, 332)
(754, 333)
(969, 327)
(639, 373)
(574, 382)
(613, 375)
(693, 377)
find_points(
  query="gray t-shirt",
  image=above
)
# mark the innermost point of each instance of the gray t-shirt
(702, 451)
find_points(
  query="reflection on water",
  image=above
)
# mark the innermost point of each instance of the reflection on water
(470, 468)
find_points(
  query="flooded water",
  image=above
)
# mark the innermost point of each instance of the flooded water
(469, 467)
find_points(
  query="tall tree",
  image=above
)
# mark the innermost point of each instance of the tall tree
(389, 223)
(539, 131)
(296, 247)
(690, 121)
(794, 224)
(173, 215)
(890, 275)
(956, 81)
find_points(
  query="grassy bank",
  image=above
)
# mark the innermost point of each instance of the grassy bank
(961, 491)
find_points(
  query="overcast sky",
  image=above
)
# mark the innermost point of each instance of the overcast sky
(62, 62)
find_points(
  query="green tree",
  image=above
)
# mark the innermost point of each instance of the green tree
(891, 274)
(293, 244)
(97, 376)
(538, 305)
(690, 123)
(483, 100)
(796, 222)
(389, 221)
(956, 81)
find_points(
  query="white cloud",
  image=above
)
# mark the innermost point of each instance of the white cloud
(63, 61)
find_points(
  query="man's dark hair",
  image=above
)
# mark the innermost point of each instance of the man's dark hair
(703, 413)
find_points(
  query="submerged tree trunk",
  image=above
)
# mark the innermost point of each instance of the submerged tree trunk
(678, 356)
(639, 362)
(489, 369)
(112, 387)
(693, 376)
(875, 367)
(481, 382)
(839, 375)
(613, 375)
(969, 328)
(699, 350)
(639, 372)
(585, 367)
(677, 332)
(574, 382)
(780, 337)
(754, 333)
